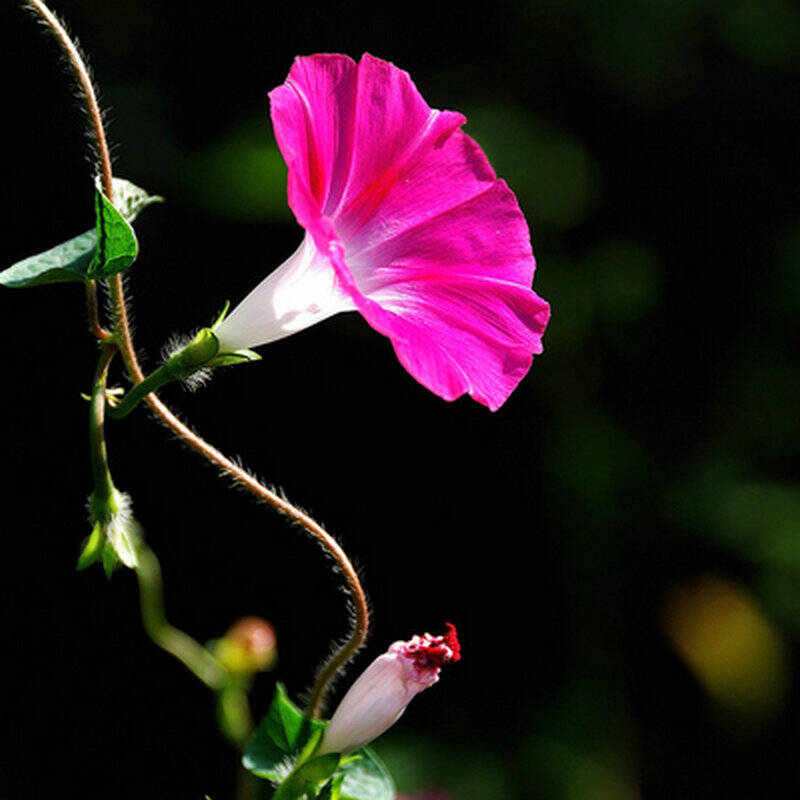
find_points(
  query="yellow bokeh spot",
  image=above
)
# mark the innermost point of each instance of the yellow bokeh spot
(722, 635)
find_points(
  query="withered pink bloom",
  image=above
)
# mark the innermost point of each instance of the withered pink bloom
(381, 693)
(405, 222)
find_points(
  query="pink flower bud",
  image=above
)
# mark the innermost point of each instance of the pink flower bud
(381, 693)
(248, 646)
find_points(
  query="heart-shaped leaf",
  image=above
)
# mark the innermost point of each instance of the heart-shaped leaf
(110, 248)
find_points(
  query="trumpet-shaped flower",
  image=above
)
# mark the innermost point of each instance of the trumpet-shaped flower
(407, 223)
(381, 693)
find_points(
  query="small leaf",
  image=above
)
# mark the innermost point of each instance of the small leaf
(283, 721)
(65, 262)
(366, 778)
(99, 253)
(117, 246)
(130, 199)
(281, 734)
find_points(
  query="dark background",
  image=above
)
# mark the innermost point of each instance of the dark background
(618, 545)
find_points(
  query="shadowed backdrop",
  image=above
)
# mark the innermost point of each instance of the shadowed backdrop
(618, 545)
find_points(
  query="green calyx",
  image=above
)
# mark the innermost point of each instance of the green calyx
(198, 354)
(115, 536)
(202, 353)
(284, 750)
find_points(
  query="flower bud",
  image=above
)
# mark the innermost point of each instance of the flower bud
(248, 646)
(381, 693)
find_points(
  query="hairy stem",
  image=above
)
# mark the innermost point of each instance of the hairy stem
(360, 627)
(87, 91)
(124, 340)
(93, 314)
(174, 641)
(89, 95)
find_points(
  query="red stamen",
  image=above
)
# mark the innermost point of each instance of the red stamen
(451, 640)
(434, 651)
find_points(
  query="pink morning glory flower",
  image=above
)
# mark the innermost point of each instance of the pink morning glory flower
(407, 223)
(381, 693)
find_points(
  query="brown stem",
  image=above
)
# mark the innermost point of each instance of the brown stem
(360, 626)
(95, 327)
(122, 334)
(89, 95)
(87, 89)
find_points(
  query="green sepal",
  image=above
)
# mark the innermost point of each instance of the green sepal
(92, 548)
(236, 357)
(98, 253)
(110, 559)
(222, 314)
(286, 737)
(203, 352)
(199, 353)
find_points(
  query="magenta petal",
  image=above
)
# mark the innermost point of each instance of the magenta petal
(432, 249)
(457, 335)
(484, 236)
(312, 116)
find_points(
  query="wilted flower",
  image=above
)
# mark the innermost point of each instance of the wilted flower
(405, 222)
(381, 693)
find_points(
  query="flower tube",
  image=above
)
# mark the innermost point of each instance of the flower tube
(381, 693)
(407, 223)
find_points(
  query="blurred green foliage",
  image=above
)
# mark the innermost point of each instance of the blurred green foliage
(241, 175)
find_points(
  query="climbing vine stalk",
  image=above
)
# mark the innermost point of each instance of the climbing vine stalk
(123, 339)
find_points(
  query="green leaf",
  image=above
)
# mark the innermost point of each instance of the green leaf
(130, 199)
(65, 262)
(285, 737)
(284, 722)
(99, 253)
(117, 247)
(282, 733)
(366, 778)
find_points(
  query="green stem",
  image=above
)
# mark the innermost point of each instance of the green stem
(124, 340)
(139, 391)
(233, 710)
(179, 644)
(103, 492)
